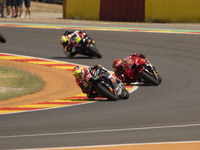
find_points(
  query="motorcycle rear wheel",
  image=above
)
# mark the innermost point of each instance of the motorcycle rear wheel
(148, 78)
(106, 93)
(94, 52)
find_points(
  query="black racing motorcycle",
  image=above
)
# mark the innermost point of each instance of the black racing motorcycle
(88, 48)
(106, 85)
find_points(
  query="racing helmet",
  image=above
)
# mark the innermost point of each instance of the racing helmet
(118, 65)
(64, 40)
(77, 72)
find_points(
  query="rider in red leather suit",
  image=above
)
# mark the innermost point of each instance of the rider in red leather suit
(123, 68)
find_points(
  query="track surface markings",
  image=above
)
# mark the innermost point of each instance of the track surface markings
(69, 101)
(173, 31)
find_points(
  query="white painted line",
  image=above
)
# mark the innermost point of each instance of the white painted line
(100, 131)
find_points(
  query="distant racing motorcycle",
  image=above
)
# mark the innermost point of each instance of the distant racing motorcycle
(87, 48)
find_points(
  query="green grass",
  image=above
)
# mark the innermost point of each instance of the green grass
(16, 83)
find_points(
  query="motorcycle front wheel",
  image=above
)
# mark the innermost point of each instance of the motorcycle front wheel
(159, 79)
(2, 39)
(126, 94)
(148, 78)
(93, 51)
(105, 92)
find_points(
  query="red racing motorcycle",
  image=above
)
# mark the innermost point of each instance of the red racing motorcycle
(144, 71)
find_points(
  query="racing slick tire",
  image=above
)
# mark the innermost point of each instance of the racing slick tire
(159, 79)
(93, 51)
(126, 95)
(2, 39)
(105, 92)
(148, 78)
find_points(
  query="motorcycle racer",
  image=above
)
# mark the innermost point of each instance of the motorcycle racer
(73, 40)
(124, 68)
(84, 78)
(119, 67)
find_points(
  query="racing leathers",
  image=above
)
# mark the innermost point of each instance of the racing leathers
(126, 75)
(75, 39)
(85, 82)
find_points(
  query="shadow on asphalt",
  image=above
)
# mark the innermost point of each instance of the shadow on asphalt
(78, 57)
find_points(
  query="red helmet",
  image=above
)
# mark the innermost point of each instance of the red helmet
(118, 65)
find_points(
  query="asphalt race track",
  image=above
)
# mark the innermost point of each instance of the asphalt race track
(169, 112)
